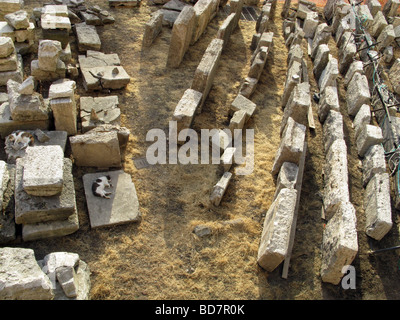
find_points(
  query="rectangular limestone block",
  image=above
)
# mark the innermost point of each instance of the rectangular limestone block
(368, 136)
(186, 109)
(87, 37)
(374, 6)
(321, 60)
(293, 77)
(275, 235)
(205, 10)
(181, 36)
(97, 149)
(373, 163)
(362, 118)
(64, 112)
(33, 209)
(9, 63)
(105, 77)
(329, 74)
(16, 75)
(339, 243)
(220, 189)
(258, 63)
(227, 27)
(378, 24)
(357, 93)
(123, 205)
(335, 170)
(321, 36)
(329, 100)
(204, 75)
(43, 170)
(152, 28)
(291, 146)
(377, 206)
(298, 105)
(248, 87)
(385, 38)
(51, 229)
(237, 121)
(332, 129)
(355, 67)
(21, 277)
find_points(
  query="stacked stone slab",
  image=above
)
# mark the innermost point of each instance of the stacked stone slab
(45, 194)
(48, 66)
(62, 103)
(20, 29)
(10, 62)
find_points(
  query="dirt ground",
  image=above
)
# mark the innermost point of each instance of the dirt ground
(161, 257)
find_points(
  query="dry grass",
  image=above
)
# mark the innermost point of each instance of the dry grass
(161, 258)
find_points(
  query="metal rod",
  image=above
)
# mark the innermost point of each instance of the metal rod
(384, 249)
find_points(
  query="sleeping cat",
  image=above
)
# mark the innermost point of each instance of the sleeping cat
(99, 185)
(19, 140)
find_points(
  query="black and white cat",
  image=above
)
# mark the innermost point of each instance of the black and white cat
(99, 186)
(20, 140)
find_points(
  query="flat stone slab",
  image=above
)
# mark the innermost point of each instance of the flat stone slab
(43, 170)
(33, 209)
(105, 108)
(87, 36)
(21, 277)
(98, 59)
(106, 77)
(123, 205)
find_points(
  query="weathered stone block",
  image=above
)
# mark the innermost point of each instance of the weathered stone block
(64, 112)
(242, 103)
(87, 37)
(368, 136)
(248, 87)
(43, 170)
(10, 63)
(227, 159)
(49, 53)
(21, 277)
(394, 75)
(105, 77)
(6, 47)
(373, 163)
(152, 28)
(378, 211)
(276, 230)
(185, 110)
(332, 128)
(374, 6)
(362, 118)
(386, 37)
(87, 148)
(181, 36)
(205, 10)
(123, 205)
(346, 57)
(355, 67)
(258, 63)
(33, 209)
(292, 79)
(95, 59)
(321, 60)
(390, 8)
(43, 75)
(329, 100)
(287, 177)
(310, 24)
(378, 25)
(220, 189)
(339, 243)
(291, 146)
(238, 120)
(357, 93)
(321, 36)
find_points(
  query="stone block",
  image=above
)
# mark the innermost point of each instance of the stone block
(64, 112)
(237, 121)
(123, 205)
(394, 75)
(346, 57)
(205, 11)
(378, 24)
(7, 47)
(248, 87)
(226, 160)
(287, 177)
(43, 75)
(62, 88)
(50, 229)
(18, 19)
(122, 132)
(25, 107)
(386, 37)
(8, 125)
(220, 188)
(258, 63)
(105, 77)
(49, 53)
(332, 129)
(227, 27)
(329, 74)
(368, 136)
(220, 140)
(310, 24)
(364, 12)
(242, 103)
(7, 204)
(275, 236)
(66, 277)
(16, 75)
(321, 60)
(292, 79)
(321, 36)
(362, 118)
(87, 148)
(99, 110)
(34, 209)
(50, 21)
(373, 163)
(204, 75)
(329, 100)
(339, 243)
(297, 106)
(152, 28)
(390, 8)
(186, 109)
(357, 93)
(355, 67)
(6, 30)
(9, 6)
(95, 59)
(43, 170)
(28, 86)
(87, 37)
(181, 36)
(377, 206)
(291, 146)
(60, 10)
(335, 170)
(21, 277)
(374, 6)
(295, 54)
(10, 63)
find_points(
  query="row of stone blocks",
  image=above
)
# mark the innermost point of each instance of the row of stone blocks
(58, 276)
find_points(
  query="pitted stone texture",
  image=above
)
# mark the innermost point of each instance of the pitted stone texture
(355, 67)
(43, 170)
(6, 47)
(377, 206)
(339, 243)
(49, 53)
(362, 118)
(321, 60)
(378, 25)
(242, 103)
(18, 19)
(276, 230)
(373, 163)
(287, 177)
(368, 136)
(186, 109)
(152, 28)
(329, 100)
(332, 129)
(21, 277)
